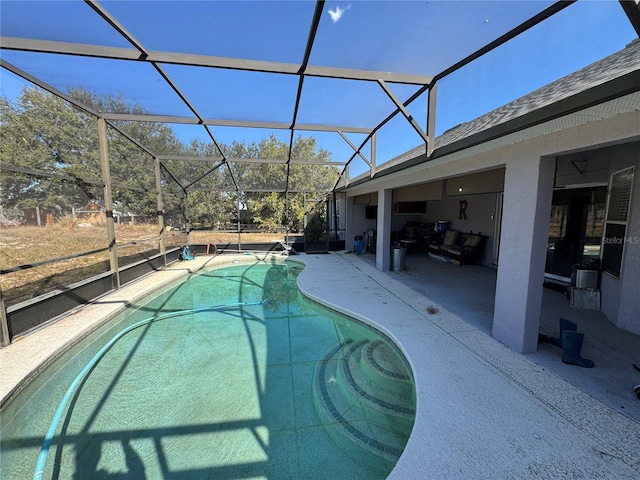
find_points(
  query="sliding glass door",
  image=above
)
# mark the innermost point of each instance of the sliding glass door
(575, 232)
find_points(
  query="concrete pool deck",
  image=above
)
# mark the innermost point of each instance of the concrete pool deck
(483, 410)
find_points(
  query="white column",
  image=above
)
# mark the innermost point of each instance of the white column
(348, 223)
(342, 217)
(383, 227)
(528, 188)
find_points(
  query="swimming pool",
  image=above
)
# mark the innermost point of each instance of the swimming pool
(230, 374)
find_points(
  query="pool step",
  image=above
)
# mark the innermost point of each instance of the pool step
(365, 399)
(381, 365)
(386, 393)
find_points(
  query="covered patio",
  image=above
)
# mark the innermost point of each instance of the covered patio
(468, 293)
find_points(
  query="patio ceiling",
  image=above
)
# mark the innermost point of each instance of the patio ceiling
(360, 78)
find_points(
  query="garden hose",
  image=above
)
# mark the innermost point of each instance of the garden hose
(48, 439)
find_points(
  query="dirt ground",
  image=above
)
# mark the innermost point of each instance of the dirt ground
(23, 246)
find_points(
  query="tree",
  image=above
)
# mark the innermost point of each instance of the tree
(132, 168)
(53, 150)
(269, 208)
(44, 134)
(56, 147)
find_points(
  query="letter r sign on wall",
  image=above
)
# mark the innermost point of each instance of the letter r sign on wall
(463, 210)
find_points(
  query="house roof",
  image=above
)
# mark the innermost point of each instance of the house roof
(617, 78)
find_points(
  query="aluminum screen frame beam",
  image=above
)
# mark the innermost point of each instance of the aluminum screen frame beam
(54, 91)
(632, 10)
(514, 32)
(261, 190)
(95, 6)
(275, 161)
(315, 22)
(344, 174)
(599, 94)
(526, 25)
(133, 117)
(192, 60)
(144, 54)
(403, 110)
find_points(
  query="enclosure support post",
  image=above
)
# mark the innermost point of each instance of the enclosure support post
(372, 167)
(187, 224)
(304, 219)
(160, 208)
(5, 339)
(326, 229)
(108, 199)
(286, 217)
(383, 224)
(334, 202)
(431, 119)
(238, 223)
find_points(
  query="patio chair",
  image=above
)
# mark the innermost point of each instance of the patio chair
(467, 250)
(449, 240)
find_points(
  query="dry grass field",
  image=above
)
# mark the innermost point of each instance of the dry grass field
(27, 245)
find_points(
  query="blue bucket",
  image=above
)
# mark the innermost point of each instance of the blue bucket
(442, 226)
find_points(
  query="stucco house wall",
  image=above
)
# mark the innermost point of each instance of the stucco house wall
(507, 153)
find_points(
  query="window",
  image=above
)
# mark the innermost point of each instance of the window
(616, 222)
(410, 207)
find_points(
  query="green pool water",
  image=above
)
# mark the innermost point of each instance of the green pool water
(231, 374)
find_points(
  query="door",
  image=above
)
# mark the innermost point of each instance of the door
(575, 230)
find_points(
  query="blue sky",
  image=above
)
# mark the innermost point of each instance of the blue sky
(404, 37)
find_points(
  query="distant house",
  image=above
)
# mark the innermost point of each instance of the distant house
(92, 212)
(36, 216)
(95, 212)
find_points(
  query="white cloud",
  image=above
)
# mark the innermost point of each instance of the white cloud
(337, 13)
